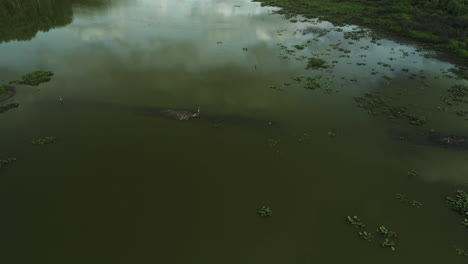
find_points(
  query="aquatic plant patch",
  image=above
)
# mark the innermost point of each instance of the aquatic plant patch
(6, 162)
(316, 63)
(365, 236)
(376, 105)
(44, 140)
(459, 202)
(7, 106)
(35, 78)
(462, 252)
(456, 94)
(460, 73)
(404, 199)
(355, 221)
(265, 212)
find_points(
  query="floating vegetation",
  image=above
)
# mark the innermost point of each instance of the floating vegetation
(459, 202)
(299, 47)
(44, 140)
(311, 83)
(35, 78)
(387, 234)
(460, 73)
(365, 236)
(275, 88)
(265, 212)
(7, 161)
(219, 42)
(316, 63)
(7, 106)
(375, 104)
(405, 69)
(355, 221)
(457, 94)
(272, 143)
(465, 223)
(404, 199)
(356, 35)
(298, 79)
(412, 173)
(462, 252)
(388, 243)
(360, 64)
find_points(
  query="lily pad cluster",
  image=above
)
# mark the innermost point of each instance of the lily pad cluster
(44, 140)
(8, 106)
(7, 161)
(35, 78)
(265, 212)
(459, 204)
(376, 105)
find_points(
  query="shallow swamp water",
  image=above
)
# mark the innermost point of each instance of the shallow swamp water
(122, 184)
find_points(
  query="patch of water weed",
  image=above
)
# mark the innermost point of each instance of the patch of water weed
(388, 243)
(459, 202)
(375, 105)
(330, 91)
(298, 79)
(355, 221)
(356, 35)
(6, 162)
(412, 173)
(365, 236)
(265, 211)
(7, 106)
(460, 73)
(465, 222)
(299, 47)
(273, 142)
(387, 234)
(456, 94)
(311, 83)
(35, 78)
(462, 252)
(44, 140)
(404, 199)
(316, 63)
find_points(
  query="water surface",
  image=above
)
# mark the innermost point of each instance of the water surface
(124, 185)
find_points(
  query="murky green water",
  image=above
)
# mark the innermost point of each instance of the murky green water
(125, 185)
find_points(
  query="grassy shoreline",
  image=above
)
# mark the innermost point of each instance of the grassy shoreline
(443, 28)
